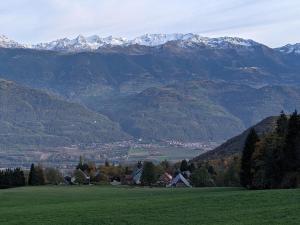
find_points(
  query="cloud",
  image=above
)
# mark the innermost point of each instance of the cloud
(273, 22)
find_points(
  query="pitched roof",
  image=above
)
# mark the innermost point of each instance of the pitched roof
(136, 175)
(179, 178)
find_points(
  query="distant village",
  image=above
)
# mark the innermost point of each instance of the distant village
(128, 152)
(183, 173)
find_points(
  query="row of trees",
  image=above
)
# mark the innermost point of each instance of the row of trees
(40, 176)
(273, 161)
(12, 178)
(36, 176)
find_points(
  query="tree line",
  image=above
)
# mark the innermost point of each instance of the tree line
(12, 178)
(37, 175)
(273, 160)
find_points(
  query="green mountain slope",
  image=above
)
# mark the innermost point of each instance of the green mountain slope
(32, 118)
(165, 113)
(196, 110)
(235, 145)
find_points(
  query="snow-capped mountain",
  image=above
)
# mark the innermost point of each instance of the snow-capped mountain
(159, 39)
(5, 42)
(290, 49)
(80, 43)
(185, 40)
(91, 43)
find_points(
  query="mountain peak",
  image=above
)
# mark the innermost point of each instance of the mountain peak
(5, 42)
(184, 40)
(188, 40)
(290, 49)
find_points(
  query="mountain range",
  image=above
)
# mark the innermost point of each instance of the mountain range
(155, 87)
(94, 42)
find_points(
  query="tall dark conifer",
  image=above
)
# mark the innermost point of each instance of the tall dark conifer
(246, 163)
(31, 175)
(282, 125)
(40, 175)
(290, 161)
(184, 166)
(33, 178)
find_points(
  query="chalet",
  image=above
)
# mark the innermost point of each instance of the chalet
(179, 181)
(136, 175)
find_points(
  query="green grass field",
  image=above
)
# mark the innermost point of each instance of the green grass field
(137, 206)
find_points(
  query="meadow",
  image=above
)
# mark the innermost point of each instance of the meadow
(54, 205)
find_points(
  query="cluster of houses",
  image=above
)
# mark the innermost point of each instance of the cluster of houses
(181, 179)
(165, 180)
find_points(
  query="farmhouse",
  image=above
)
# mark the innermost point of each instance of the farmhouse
(136, 175)
(179, 181)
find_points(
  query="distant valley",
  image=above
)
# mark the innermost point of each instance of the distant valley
(155, 89)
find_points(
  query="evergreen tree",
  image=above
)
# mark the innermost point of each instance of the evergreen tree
(282, 125)
(192, 167)
(266, 172)
(40, 175)
(12, 178)
(32, 180)
(148, 175)
(81, 165)
(290, 161)
(19, 177)
(36, 176)
(246, 162)
(184, 166)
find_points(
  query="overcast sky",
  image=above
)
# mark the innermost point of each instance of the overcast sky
(272, 22)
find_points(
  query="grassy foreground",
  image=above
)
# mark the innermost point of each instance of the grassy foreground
(138, 206)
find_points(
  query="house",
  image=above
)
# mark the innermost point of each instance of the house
(81, 177)
(179, 181)
(164, 180)
(136, 175)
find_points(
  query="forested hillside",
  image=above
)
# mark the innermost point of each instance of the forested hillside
(31, 118)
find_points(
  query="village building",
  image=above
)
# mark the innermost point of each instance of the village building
(81, 177)
(179, 181)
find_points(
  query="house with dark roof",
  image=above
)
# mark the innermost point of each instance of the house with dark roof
(179, 181)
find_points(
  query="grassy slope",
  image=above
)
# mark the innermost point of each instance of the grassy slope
(95, 205)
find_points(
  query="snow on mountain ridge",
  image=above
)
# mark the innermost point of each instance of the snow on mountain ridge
(94, 42)
(90, 43)
(290, 49)
(5, 42)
